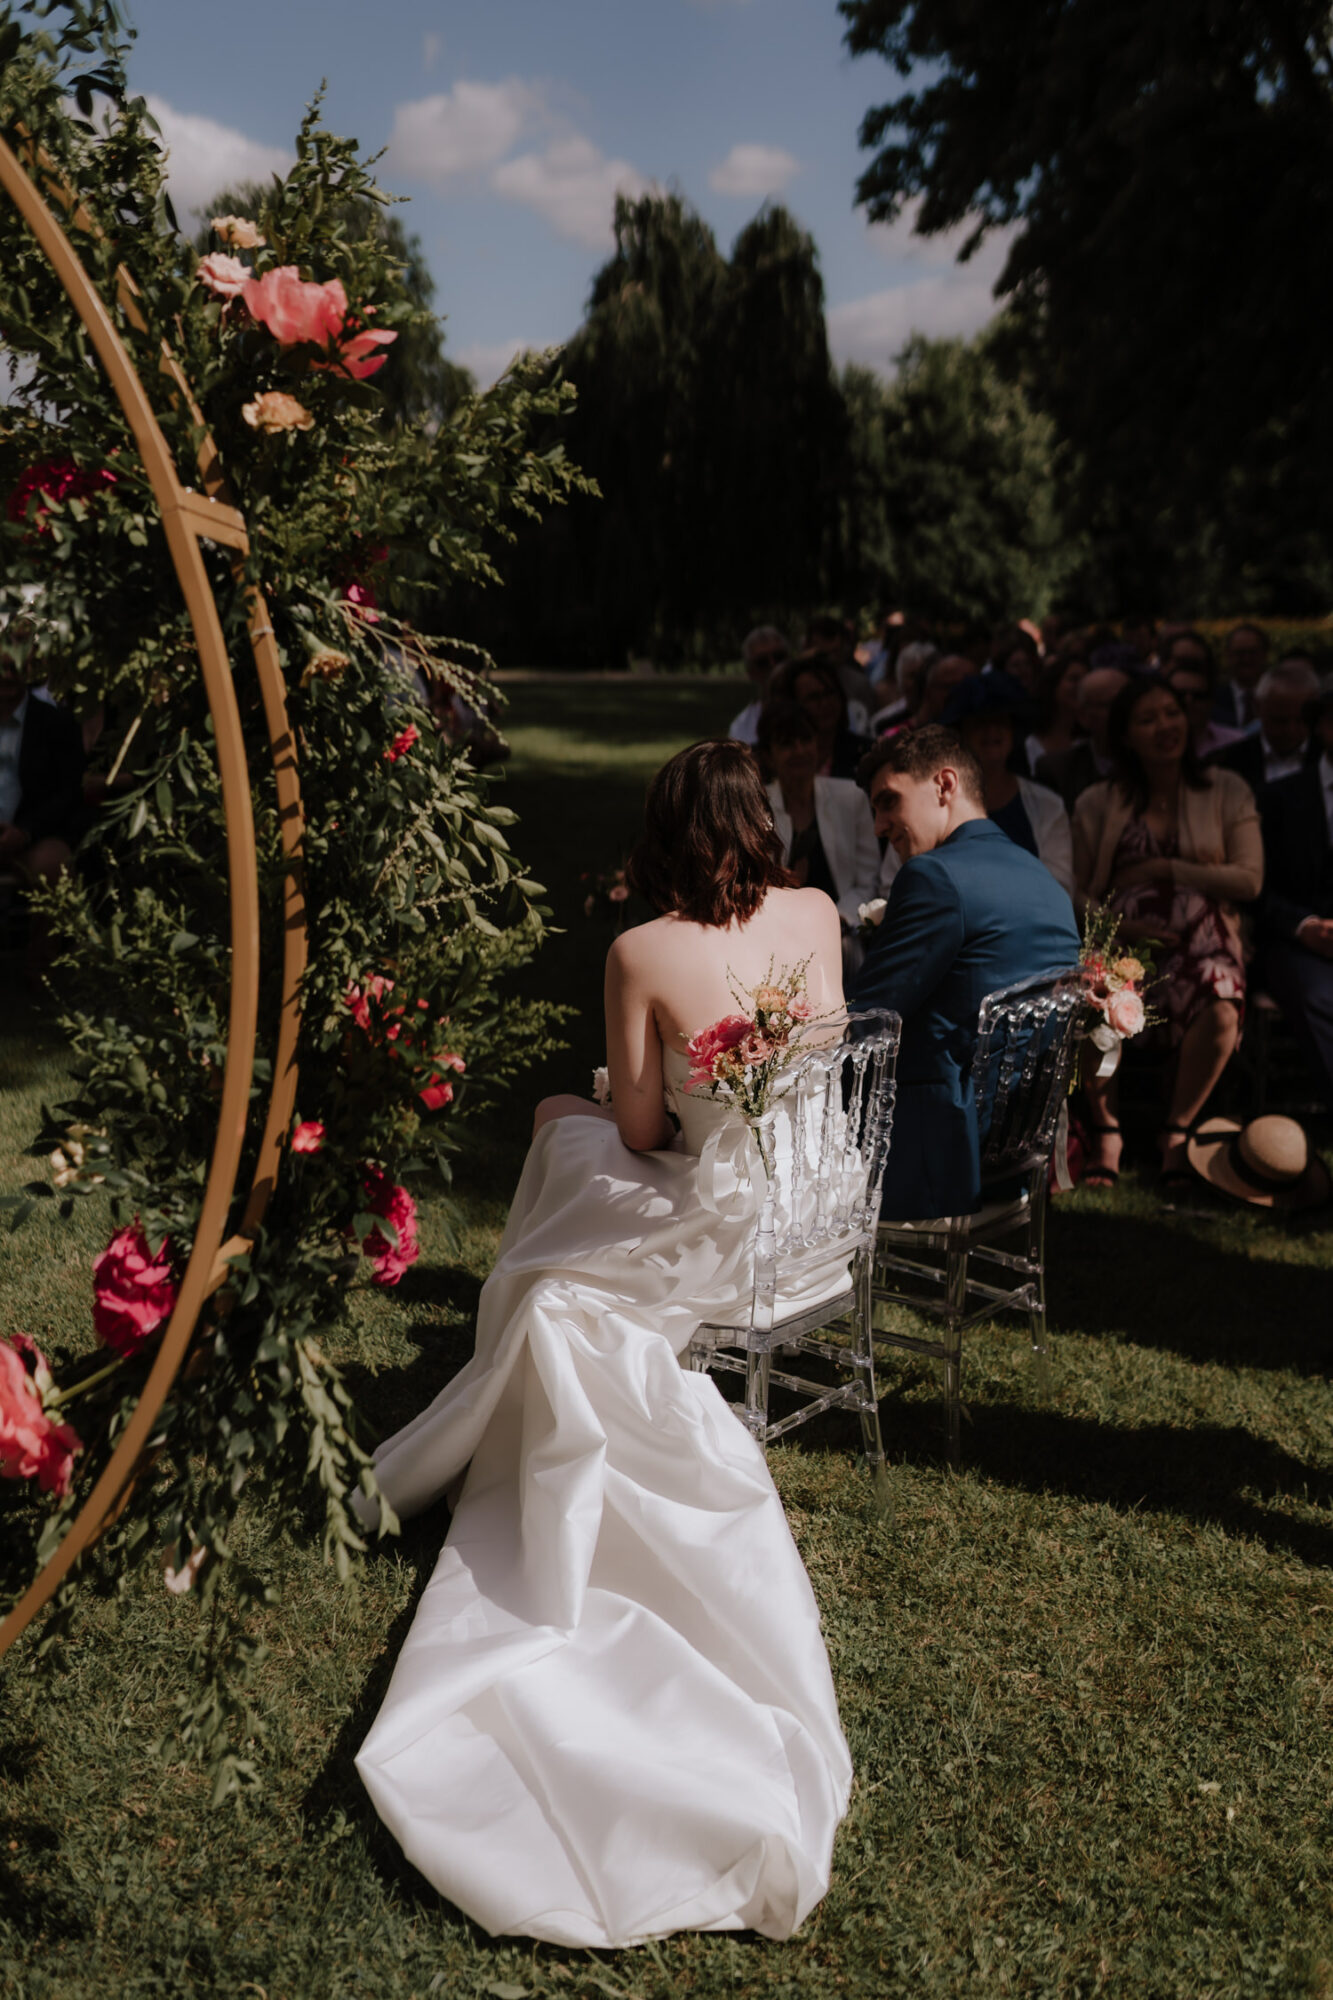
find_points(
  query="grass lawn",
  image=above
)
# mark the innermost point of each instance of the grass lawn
(1088, 1683)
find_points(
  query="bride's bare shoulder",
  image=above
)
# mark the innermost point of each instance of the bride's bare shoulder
(644, 944)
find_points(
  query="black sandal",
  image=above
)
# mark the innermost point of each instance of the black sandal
(1095, 1176)
(1176, 1180)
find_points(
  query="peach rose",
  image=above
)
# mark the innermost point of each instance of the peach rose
(770, 1000)
(276, 411)
(238, 233)
(1129, 969)
(224, 276)
(1125, 1012)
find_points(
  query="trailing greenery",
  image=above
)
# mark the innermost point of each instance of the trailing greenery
(1085, 1682)
(418, 910)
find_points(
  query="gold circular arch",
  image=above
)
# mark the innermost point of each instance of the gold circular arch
(189, 517)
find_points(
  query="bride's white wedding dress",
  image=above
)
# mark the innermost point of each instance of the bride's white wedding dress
(613, 1715)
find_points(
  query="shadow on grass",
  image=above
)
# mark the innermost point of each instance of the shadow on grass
(1210, 1473)
(1162, 1287)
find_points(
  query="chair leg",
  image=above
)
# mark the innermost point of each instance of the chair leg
(1041, 1359)
(863, 1365)
(756, 1395)
(955, 1305)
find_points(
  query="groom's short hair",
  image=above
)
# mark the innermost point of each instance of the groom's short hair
(920, 753)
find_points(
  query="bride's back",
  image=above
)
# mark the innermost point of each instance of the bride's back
(710, 861)
(691, 972)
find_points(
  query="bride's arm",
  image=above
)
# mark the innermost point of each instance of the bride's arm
(634, 1047)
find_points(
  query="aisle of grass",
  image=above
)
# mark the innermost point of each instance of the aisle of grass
(1086, 1683)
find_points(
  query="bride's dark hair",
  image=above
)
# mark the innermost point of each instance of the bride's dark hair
(709, 850)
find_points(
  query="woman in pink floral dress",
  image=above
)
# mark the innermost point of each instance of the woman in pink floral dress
(1175, 848)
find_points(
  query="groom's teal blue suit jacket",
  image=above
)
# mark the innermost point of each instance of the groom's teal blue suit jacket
(975, 914)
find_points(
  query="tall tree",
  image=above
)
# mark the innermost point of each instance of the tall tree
(1168, 175)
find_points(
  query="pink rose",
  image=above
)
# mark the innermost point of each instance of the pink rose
(132, 1294)
(358, 1002)
(617, 893)
(756, 1048)
(704, 1048)
(402, 744)
(395, 1204)
(1125, 1012)
(33, 1445)
(308, 1136)
(226, 277)
(57, 479)
(363, 601)
(437, 1094)
(294, 310)
(800, 1010)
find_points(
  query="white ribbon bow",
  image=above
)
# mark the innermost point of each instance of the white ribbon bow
(731, 1148)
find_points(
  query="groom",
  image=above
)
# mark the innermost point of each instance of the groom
(969, 912)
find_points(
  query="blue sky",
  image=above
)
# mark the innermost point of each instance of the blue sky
(511, 123)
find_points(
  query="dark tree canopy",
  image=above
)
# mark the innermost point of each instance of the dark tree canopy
(1168, 172)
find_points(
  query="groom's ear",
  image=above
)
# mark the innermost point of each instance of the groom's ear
(946, 784)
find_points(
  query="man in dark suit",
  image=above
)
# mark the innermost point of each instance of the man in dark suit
(1244, 657)
(1296, 912)
(1277, 748)
(969, 912)
(41, 779)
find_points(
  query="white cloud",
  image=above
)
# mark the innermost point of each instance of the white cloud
(571, 184)
(204, 158)
(754, 170)
(487, 360)
(471, 126)
(934, 294)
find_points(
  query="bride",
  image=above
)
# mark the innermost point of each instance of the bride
(613, 1716)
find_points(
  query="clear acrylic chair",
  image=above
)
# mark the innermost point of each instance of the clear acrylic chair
(1026, 1038)
(823, 1149)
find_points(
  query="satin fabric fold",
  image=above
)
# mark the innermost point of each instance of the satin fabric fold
(613, 1715)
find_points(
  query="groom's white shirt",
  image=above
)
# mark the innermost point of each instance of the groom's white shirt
(847, 832)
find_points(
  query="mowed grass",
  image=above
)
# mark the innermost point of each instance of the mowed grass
(1086, 1682)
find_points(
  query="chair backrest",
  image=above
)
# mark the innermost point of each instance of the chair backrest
(1026, 1035)
(826, 1141)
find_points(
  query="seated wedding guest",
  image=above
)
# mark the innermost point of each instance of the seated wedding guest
(1055, 719)
(1192, 673)
(914, 663)
(1016, 653)
(1070, 772)
(843, 727)
(825, 826)
(1244, 658)
(969, 913)
(1139, 631)
(986, 712)
(937, 690)
(763, 651)
(835, 643)
(1283, 702)
(1174, 847)
(1296, 913)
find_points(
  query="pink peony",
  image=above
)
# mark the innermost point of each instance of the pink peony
(1125, 1012)
(132, 1295)
(395, 1204)
(710, 1043)
(308, 1136)
(226, 277)
(402, 744)
(294, 310)
(33, 1445)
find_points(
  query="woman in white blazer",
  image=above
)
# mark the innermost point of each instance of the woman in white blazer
(825, 825)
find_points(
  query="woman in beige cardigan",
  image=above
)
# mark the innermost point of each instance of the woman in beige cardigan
(1174, 848)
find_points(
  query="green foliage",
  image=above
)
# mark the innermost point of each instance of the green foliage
(954, 491)
(709, 418)
(1168, 175)
(408, 877)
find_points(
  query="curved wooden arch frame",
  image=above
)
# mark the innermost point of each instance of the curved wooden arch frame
(189, 517)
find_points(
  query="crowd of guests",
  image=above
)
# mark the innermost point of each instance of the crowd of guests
(1192, 793)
